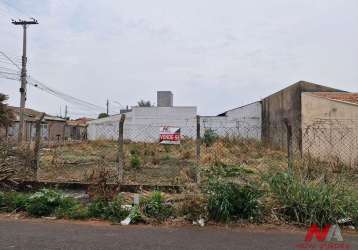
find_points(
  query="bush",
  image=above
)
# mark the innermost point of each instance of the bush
(97, 208)
(135, 215)
(70, 208)
(111, 210)
(154, 207)
(135, 161)
(228, 201)
(308, 202)
(114, 210)
(13, 201)
(43, 202)
(2, 197)
(209, 137)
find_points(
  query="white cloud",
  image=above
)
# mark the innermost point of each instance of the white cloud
(213, 54)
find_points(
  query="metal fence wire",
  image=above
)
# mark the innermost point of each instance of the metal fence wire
(155, 153)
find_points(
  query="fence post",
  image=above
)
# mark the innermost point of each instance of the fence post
(121, 148)
(37, 144)
(198, 143)
(289, 144)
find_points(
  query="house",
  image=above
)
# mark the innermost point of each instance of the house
(286, 104)
(329, 126)
(76, 129)
(244, 121)
(52, 127)
(142, 124)
(323, 121)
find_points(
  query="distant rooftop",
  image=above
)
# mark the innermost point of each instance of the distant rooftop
(33, 115)
(339, 96)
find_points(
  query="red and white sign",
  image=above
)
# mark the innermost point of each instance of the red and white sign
(169, 135)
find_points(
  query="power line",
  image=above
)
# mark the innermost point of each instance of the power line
(10, 60)
(62, 95)
(41, 86)
(22, 12)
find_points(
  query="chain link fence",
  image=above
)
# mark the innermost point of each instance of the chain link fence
(331, 141)
(157, 154)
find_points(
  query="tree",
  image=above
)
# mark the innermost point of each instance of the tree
(143, 103)
(102, 115)
(6, 114)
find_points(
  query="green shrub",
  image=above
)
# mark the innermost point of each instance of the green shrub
(2, 198)
(310, 201)
(135, 215)
(228, 201)
(111, 210)
(70, 208)
(135, 161)
(154, 207)
(209, 137)
(114, 210)
(44, 202)
(13, 201)
(97, 209)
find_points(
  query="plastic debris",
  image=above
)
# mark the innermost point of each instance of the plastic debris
(344, 220)
(126, 221)
(200, 222)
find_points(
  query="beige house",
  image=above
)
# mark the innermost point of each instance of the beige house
(53, 127)
(330, 126)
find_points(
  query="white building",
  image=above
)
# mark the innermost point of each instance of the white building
(142, 124)
(244, 121)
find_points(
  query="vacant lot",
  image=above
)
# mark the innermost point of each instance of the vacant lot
(153, 163)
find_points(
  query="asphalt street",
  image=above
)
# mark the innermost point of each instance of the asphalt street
(19, 234)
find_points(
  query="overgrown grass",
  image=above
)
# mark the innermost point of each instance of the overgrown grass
(13, 201)
(110, 210)
(135, 161)
(193, 207)
(71, 208)
(312, 201)
(154, 207)
(229, 201)
(44, 202)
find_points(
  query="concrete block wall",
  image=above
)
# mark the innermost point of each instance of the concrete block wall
(143, 124)
(244, 121)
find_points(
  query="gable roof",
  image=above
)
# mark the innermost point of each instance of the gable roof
(338, 96)
(304, 86)
(33, 115)
(224, 114)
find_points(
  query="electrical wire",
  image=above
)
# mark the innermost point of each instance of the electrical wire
(40, 85)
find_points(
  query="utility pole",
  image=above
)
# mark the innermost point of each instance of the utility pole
(107, 104)
(24, 25)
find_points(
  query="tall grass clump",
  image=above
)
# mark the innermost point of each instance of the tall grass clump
(135, 161)
(155, 207)
(210, 137)
(228, 201)
(108, 209)
(312, 201)
(70, 208)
